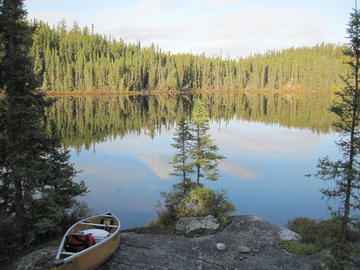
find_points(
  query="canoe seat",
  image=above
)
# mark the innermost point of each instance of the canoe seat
(99, 225)
(67, 253)
(99, 238)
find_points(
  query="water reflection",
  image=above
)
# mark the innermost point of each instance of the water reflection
(87, 120)
(269, 146)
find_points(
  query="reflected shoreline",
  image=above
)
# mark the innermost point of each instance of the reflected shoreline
(84, 120)
(106, 93)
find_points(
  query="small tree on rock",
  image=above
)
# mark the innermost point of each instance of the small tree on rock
(204, 156)
(181, 160)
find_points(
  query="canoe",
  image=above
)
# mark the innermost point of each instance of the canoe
(104, 229)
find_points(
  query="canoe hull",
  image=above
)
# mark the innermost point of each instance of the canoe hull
(93, 258)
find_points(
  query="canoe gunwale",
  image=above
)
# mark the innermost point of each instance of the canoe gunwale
(60, 261)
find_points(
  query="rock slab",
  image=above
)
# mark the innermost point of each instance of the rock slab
(188, 225)
(178, 252)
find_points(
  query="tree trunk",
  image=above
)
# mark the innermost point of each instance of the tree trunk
(19, 210)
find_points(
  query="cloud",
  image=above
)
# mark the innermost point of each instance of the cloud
(257, 139)
(160, 166)
(218, 3)
(235, 169)
(232, 26)
(153, 4)
(215, 3)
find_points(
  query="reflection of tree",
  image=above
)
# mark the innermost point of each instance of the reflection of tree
(84, 120)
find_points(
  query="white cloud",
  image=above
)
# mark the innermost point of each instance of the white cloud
(160, 166)
(235, 169)
(218, 3)
(232, 26)
(153, 4)
(256, 139)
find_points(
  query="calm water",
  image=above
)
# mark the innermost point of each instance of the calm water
(270, 141)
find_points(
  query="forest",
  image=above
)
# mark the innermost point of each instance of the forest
(86, 120)
(81, 60)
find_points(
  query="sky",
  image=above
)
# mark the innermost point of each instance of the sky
(230, 28)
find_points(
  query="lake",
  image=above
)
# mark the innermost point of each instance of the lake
(122, 145)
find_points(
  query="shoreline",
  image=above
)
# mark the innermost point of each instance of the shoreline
(249, 241)
(105, 93)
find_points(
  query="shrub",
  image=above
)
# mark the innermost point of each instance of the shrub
(300, 249)
(322, 233)
(197, 202)
(203, 202)
(304, 226)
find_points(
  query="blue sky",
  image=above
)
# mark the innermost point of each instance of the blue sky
(233, 28)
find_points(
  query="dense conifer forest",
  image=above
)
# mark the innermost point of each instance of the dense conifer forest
(83, 121)
(79, 59)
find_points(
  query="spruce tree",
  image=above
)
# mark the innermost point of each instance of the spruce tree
(181, 160)
(344, 173)
(36, 186)
(204, 156)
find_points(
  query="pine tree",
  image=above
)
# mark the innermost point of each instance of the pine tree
(345, 173)
(181, 160)
(204, 156)
(36, 186)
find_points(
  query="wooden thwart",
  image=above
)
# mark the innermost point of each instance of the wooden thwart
(100, 225)
(67, 253)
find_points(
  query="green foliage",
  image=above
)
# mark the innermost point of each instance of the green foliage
(79, 60)
(304, 226)
(321, 233)
(202, 201)
(199, 201)
(36, 179)
(180, 163)
(84, 120)
(335, 259)
(203, 150)
(344, 174)
(300, 249)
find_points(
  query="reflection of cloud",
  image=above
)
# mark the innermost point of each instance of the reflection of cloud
(159, 166)
(133, 144)
(235, 169)
(256, 138)
(89, 170)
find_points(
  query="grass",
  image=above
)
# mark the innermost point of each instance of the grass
(297, 248)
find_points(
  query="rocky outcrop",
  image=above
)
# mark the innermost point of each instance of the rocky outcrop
(247, 243)
(188, 225)
(39, 260)
(246, 233)
(286, 234)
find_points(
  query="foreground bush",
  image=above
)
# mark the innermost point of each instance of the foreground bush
(203, 202)
(321, 233)
(199, 201)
